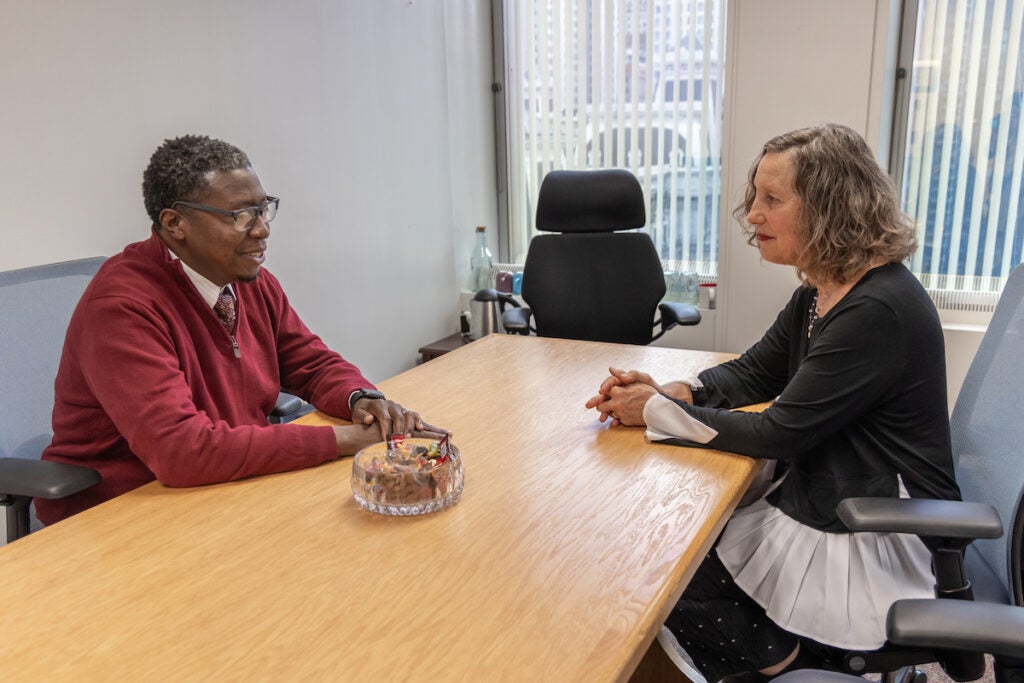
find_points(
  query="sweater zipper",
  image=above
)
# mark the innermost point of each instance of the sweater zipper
(234, 347)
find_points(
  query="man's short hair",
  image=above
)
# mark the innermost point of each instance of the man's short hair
(179, 170)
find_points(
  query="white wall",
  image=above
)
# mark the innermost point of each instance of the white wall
(372, 119)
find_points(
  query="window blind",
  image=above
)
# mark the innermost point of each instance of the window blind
(964, 155)
(633, 84)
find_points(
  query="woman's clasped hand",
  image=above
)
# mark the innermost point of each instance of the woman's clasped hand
(624, 393)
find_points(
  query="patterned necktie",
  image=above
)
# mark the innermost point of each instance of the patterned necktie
(225, 309)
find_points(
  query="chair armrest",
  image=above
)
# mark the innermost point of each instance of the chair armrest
(517, 320)
(921, 516)
(286, 404)
(673, 314)
(43, 479)
(957, 625)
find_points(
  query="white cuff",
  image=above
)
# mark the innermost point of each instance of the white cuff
(693, 381)
(666, 420)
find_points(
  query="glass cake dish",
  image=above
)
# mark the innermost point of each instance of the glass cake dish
(410, 476)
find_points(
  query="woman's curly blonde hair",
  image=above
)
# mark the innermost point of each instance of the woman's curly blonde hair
(849, 210)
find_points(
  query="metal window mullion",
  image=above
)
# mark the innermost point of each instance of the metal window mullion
(902, 102)
(528, 62)
(524, 117)
(715, 140)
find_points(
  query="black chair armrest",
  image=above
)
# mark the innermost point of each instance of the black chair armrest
(286, 404)
(957, 625)
(921, 516)
(517, 320)
(673, 314)
(43, 479)
(287, 408)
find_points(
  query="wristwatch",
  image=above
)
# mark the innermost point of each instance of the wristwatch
(371, 394)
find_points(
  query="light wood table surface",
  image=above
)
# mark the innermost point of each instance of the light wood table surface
(571, 543)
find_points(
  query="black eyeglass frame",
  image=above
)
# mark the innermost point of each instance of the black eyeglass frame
(257, 211)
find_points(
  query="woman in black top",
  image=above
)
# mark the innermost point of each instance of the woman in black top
(855, 368)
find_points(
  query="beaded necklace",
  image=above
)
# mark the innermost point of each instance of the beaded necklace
(812, 314)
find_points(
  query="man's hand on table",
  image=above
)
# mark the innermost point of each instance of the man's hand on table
(392, 418)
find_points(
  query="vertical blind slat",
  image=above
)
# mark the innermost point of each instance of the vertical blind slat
(1001, 104)
(923, 122)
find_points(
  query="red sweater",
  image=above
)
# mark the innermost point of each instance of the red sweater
(149, 385)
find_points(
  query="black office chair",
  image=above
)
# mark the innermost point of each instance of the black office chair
(988, 442)
(592, 280)
(35, 307)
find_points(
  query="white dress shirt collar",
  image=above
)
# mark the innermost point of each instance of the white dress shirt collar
(208, 290)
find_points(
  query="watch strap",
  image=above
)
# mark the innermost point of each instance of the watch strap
(372, 394)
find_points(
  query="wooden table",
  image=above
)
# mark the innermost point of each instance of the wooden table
(569, 546)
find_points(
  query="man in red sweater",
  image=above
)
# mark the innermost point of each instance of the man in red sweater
(157, 382)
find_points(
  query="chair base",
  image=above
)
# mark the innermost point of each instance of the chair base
(16, 518)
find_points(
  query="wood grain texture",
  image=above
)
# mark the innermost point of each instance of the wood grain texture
(570, 544)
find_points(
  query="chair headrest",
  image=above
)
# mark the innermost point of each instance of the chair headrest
(590, 201)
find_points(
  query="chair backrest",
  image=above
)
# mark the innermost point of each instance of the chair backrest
(988, 431)
(592, 281)
(35, 307)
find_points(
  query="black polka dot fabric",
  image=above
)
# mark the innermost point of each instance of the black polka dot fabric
(722, 629)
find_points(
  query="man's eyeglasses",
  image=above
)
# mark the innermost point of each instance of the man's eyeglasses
(244, 218)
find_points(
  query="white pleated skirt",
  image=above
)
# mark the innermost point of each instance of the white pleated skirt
(833, 588)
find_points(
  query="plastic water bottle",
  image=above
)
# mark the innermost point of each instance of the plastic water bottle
(480, 263)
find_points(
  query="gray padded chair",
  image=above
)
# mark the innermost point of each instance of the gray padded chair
(35, 307)
(595, 279)
(981, 605)
(288, 408)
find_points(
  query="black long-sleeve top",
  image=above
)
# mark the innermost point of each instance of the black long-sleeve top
(858, 403)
